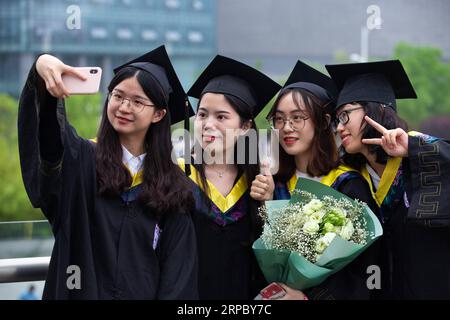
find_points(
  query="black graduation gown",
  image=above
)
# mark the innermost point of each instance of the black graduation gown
(227, 265)
(415, 252)
(350, 283)
(110, 240)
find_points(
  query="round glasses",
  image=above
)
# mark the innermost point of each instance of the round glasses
(296, 122)
(343, 117)
(136, 104)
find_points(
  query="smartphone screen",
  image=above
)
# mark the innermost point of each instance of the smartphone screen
(91, 85)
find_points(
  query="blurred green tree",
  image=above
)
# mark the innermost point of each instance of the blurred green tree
(14, 203)
(83, 113)
(430, 76)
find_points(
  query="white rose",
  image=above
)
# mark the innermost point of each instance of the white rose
(312, 206)
(323, 242)
(347, 231)
(341, 212)
(311, 226)
(318, 215)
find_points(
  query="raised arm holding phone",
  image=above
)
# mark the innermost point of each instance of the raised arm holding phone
(121, 218)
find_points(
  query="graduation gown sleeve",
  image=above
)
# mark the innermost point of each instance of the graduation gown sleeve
(46, 143)
(416, 241)
(58, 172)
(178, 258)
(428, 180)
(37, 112)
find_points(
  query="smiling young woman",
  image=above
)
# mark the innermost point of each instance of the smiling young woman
(230, 95)
(408, 175)
(119, 208)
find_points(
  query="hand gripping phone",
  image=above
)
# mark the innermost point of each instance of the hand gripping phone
(91, 85)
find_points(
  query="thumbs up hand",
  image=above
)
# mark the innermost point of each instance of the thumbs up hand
(263, 186)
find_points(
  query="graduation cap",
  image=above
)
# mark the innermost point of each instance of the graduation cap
(382, 81)
(228, 76)
(157, 64)
(317, 83)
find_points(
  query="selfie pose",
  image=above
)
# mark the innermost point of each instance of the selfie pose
(230, 95)
(119, 208)
(408, 176)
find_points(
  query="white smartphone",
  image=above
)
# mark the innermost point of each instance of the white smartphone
(91, 85)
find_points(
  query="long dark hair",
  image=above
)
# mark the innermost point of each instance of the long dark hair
(250, 170)
(388, 118)
(164, 186)
(324, 156)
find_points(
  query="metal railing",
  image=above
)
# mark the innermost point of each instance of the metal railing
(25, 247)
(23, 269)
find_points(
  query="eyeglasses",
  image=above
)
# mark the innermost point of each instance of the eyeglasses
(136, 105)
(343, 117)
(296, 122)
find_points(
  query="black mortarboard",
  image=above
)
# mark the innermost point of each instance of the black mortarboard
(157, 63)
(382, 81)
(228, 76)
(308, 78)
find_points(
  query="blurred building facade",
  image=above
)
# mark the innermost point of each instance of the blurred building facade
(271, 34)
(277, 33)
(109, 33)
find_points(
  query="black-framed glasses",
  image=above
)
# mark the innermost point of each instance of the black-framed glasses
(136, 104)
(343, 117)
(296, 122)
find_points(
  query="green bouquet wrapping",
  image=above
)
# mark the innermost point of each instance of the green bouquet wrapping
(312, 236)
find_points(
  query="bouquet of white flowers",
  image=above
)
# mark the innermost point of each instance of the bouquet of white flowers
(313, 235)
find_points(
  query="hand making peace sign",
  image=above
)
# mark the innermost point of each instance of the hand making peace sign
(394, 142)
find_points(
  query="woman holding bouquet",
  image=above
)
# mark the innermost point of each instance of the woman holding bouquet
(120, 217)
(407, 173)
(302, 114)
(230, 94)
